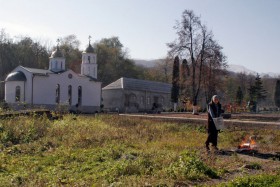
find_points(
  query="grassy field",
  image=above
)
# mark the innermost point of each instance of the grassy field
(110, 150)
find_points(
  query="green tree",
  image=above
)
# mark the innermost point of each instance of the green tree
(184, 75)
(161, 71)
(239, 96)
(175, 82)
(260, 91)
(256, 92)
(31, 54)
(277, 94)
(113, 61)
(70, 47)
(23, 51)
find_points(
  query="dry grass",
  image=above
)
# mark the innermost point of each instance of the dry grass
(121, 151)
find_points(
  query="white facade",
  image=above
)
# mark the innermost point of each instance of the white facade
(89, 65)
(55, 87)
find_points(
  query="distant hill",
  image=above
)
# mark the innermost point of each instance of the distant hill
(231, 67)
(146, 63)
(240, 69)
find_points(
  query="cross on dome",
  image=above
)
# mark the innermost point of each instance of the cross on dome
(89, 49)
(58, 41)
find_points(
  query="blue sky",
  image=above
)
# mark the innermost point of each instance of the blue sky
(248, 30)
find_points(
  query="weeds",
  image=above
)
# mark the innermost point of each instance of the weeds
(256, 181)
(190, 166)
(111, 150)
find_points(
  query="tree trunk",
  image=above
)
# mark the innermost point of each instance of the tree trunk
(175, 107)
(195, 112)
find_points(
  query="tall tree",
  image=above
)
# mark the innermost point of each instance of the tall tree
(175, 82)
(196, 44)
(277, 94)
(257, 92)
(184, 75)
(239, 96)
(260, 91)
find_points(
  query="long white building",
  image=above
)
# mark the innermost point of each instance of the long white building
(56, 87)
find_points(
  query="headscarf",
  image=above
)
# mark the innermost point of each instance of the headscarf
(214, 97)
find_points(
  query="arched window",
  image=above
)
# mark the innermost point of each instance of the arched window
(57, 93)
(70, 95)
(79, 95)
(17, 93)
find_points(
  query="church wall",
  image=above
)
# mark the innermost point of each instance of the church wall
(45, 90)
(27, 85)
(10, 96)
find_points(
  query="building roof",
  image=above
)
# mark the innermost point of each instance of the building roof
(16, 76)
(57, 53)
(137, 84)
(37, 71)
(89, 49)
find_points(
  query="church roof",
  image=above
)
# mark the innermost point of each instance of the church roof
(57, 53)
(38, 71)
(141, 85)
(16, 76)
(89, 49)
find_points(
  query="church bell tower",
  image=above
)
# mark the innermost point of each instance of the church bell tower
(89, 63)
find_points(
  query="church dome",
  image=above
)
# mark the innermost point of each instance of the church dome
(89, 49)
(16, 76)
(57, 53)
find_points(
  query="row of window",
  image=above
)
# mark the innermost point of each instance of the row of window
(57, 95)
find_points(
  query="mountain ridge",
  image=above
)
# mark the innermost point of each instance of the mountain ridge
(231, 67)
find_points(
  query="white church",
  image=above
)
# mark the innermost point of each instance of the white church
(56, 87)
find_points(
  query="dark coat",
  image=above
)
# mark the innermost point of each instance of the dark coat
(210, 125)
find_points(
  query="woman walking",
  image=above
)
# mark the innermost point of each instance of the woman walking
(214, 111)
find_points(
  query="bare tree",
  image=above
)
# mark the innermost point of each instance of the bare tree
(195, 43)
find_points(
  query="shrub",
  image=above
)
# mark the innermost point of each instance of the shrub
(23, 129)
(256, 181)
(189, 166)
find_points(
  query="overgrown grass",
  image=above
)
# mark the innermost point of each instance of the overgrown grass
(113, 150)
(256, 181)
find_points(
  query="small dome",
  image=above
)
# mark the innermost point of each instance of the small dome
(16, 76)
(57, 53)
(89, 49)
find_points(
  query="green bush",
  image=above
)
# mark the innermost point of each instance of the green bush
(22, 129)
(189, 166)
(255, 181)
